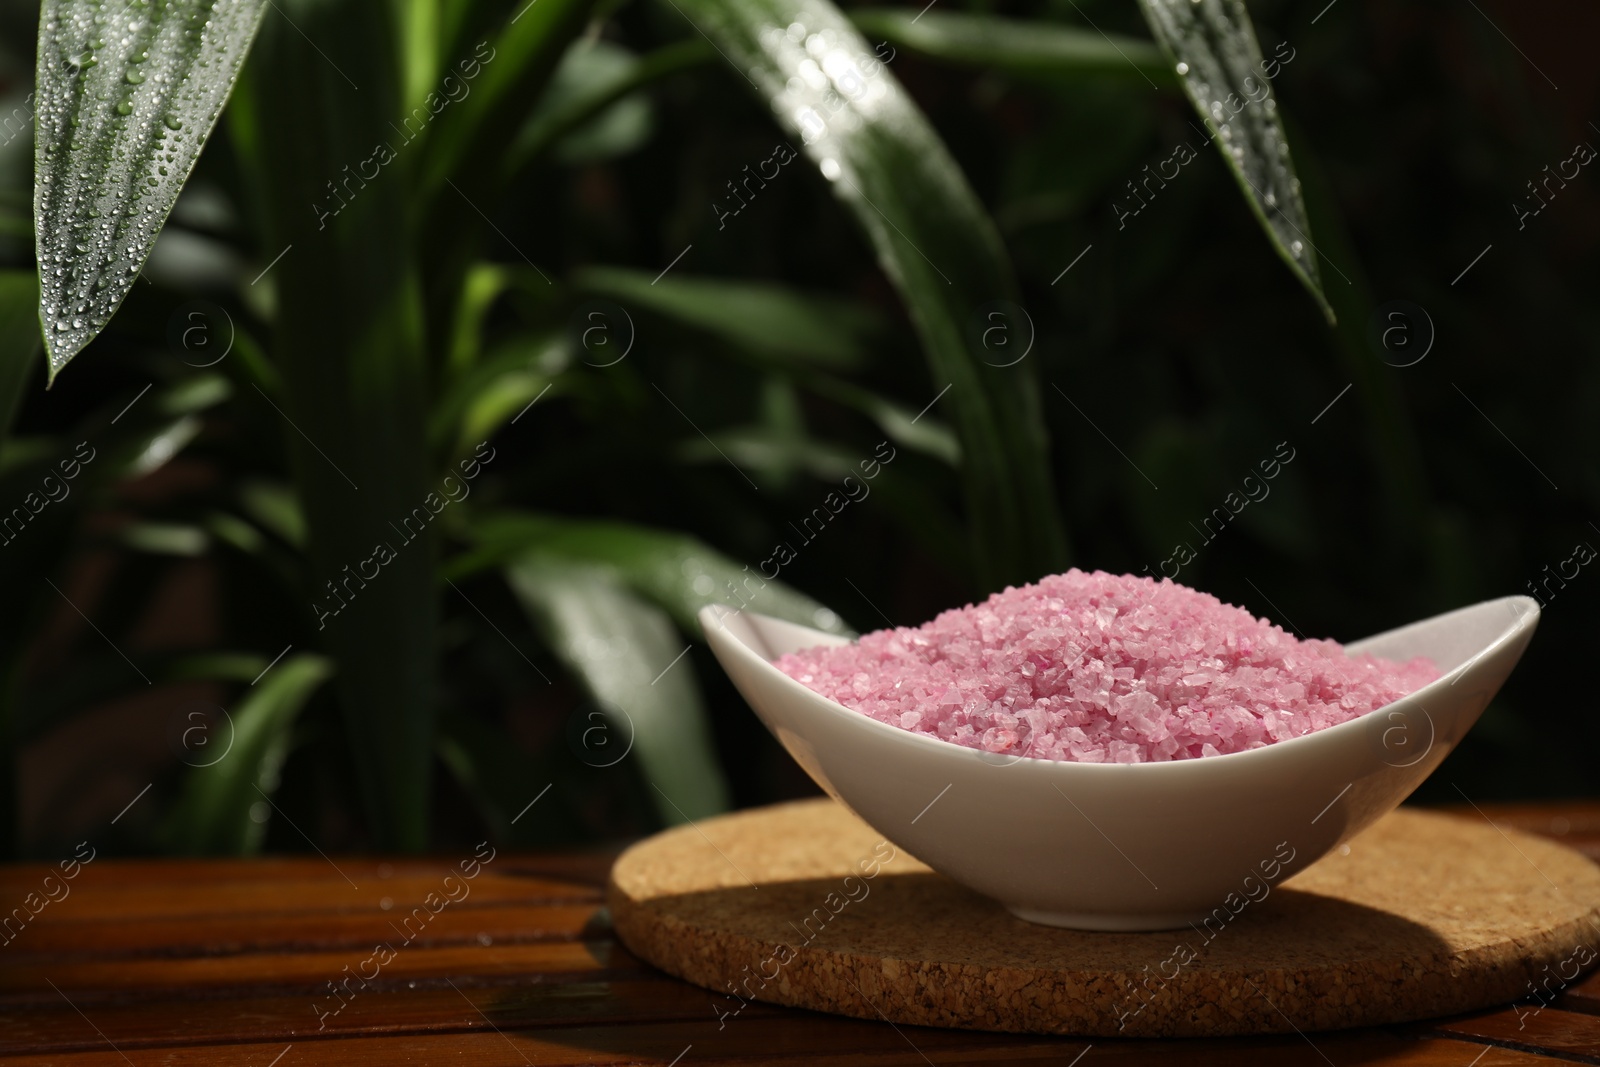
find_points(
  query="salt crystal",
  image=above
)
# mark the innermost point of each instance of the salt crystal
(1102, 668)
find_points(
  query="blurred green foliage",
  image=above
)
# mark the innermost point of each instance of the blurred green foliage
(669, 388)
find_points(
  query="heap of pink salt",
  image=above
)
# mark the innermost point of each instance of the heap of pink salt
(1102, 668)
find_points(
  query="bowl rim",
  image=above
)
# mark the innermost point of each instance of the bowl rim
(1526, 620)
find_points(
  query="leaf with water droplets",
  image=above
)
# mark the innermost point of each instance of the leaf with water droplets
(127, 94)
(834, 96)
(1213, 47)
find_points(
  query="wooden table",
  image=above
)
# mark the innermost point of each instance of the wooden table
(229, 962)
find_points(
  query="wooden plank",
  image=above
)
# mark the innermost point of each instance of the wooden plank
(56, 937)
(393, 1006)
(431, 1005)
(1584, 995)
(96, 894)
(182, 874)
(795, 1037)
(1556, 1032)
(222, 962)
(152, 978)
(586, 868)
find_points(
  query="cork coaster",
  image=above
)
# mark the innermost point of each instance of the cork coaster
(805, 905)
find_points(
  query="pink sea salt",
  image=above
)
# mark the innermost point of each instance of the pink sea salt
(1103, 668)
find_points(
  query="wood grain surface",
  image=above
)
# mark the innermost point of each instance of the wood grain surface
(223, 962)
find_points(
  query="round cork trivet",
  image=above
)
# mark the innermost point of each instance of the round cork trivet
(1422, 915)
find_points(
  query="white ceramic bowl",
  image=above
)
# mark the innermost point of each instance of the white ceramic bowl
(1143, 846)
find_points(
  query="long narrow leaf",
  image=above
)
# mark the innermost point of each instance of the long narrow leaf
(234, 761)
(558, 116)
(494, 391)
(913, 429)
(419, 27)
(933, 239)
(772, 320)
(629, 657)
(1212, 45)
(675, 571)
(127, 95)
(514, 62)
(1032, 50)
(460, 154)
(348, 340)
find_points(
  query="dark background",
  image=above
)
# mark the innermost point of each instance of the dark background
(1182, 339)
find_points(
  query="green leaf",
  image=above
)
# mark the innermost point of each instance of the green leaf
(19, 339)
(1032, 50)
(916, 431)
(590, 68)
(629, 657)
(675, 571)
(462, 152)
(482, 285)
(140, 431)
(1212, 45)
(468, 137)
(770, 320)
(495, 391)
(235, 760)
(776, 452)
(348, 341)
(274, 506)
(587, 92)
(135, 434)
(419, 26)
(934, 241)
(126, 100)
(165, 538)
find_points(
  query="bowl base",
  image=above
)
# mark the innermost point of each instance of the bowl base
(1105, 922)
